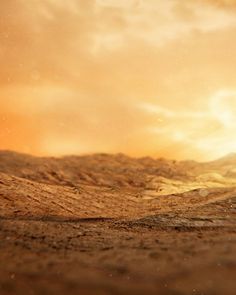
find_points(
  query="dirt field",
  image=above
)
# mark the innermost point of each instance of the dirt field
(115, 225)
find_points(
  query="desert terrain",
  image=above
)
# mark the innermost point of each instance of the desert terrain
(112, 224)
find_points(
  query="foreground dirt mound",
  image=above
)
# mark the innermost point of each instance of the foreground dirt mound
(106, 224)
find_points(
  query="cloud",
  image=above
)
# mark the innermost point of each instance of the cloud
(222, 3)
(116, 76)
(118, 3)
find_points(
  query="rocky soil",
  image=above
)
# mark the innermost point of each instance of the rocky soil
(110, 224)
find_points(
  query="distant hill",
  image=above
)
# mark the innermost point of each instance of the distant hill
(100, 169)
(229, 159)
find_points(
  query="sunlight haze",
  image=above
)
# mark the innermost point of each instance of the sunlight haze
(145, 78)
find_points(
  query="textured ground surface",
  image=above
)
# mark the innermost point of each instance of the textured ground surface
(115, 225)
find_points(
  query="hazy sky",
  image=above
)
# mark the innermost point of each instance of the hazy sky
(142, 77)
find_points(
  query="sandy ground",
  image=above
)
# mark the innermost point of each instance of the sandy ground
(115, 225)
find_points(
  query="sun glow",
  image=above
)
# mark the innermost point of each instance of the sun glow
(210, 131)
(223, 106)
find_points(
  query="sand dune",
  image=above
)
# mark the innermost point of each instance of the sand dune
(120, 218)
(103, 186)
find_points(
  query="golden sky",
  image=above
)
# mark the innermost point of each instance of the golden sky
(141, 77)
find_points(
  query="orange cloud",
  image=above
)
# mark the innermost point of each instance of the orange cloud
(137, 77)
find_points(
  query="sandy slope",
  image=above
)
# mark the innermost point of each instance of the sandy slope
(25, 198)
(107, 224)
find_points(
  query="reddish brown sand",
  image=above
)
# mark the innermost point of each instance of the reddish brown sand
(115, 225)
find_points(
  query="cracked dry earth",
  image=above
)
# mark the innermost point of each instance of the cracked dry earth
(106, 224)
